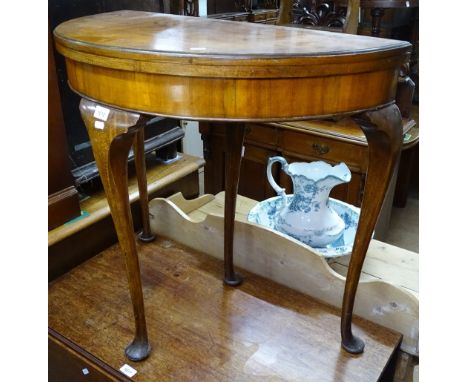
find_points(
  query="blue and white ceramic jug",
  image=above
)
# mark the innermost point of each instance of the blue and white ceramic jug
(308, 216)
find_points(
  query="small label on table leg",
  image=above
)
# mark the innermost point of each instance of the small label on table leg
(101, 113)
(99, 125)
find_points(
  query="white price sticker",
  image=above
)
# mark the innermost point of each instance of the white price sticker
(99, 125)
(101, 113)
(128, 370)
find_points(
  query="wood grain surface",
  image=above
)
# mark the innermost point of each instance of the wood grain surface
(387, 293)
(203, 331)
(383, 130)
(140, 166)
(145, 62)
(197, 68)
(123, 33)
(111, 143)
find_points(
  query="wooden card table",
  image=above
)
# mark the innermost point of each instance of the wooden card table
(129, 64)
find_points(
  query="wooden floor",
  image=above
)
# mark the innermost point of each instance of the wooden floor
(201, 330)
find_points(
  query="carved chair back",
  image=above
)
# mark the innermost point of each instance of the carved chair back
(337, 16)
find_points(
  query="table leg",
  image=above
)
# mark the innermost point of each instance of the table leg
(234, 142)
(139, 150)
(383, 130)
(377, 14)
(112, 133)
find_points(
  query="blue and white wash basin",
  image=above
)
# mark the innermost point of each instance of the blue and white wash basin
(265, 214)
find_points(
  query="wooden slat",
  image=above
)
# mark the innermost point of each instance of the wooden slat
(383, 261)
(201, 330)
(98, 208)
(391, 263)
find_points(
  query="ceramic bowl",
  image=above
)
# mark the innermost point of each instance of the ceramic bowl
(265, 214)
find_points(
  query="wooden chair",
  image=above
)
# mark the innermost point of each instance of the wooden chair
(325, 18)
(322, 17)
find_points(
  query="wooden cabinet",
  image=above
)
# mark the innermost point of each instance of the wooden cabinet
(63, 203)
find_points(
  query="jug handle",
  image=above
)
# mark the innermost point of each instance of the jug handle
(284, 166)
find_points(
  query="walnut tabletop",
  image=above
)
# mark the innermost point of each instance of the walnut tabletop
(129, 64)
(199, 68)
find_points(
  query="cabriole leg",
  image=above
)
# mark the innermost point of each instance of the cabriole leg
(139, 150)
(234, 142)
(112, 133)
(383, 130)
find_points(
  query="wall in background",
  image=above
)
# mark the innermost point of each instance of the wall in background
(202, 7)
(192, 143)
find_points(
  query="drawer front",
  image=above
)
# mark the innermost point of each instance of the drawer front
(261, 135)
(70, 365)
(311, 147)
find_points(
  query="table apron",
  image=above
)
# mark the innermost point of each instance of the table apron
(265, 99)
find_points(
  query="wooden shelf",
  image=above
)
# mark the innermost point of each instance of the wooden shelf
(97, 207)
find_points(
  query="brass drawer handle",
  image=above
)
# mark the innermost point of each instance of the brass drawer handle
(320, 149)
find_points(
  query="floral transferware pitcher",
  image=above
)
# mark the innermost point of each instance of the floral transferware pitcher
(308, 216)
